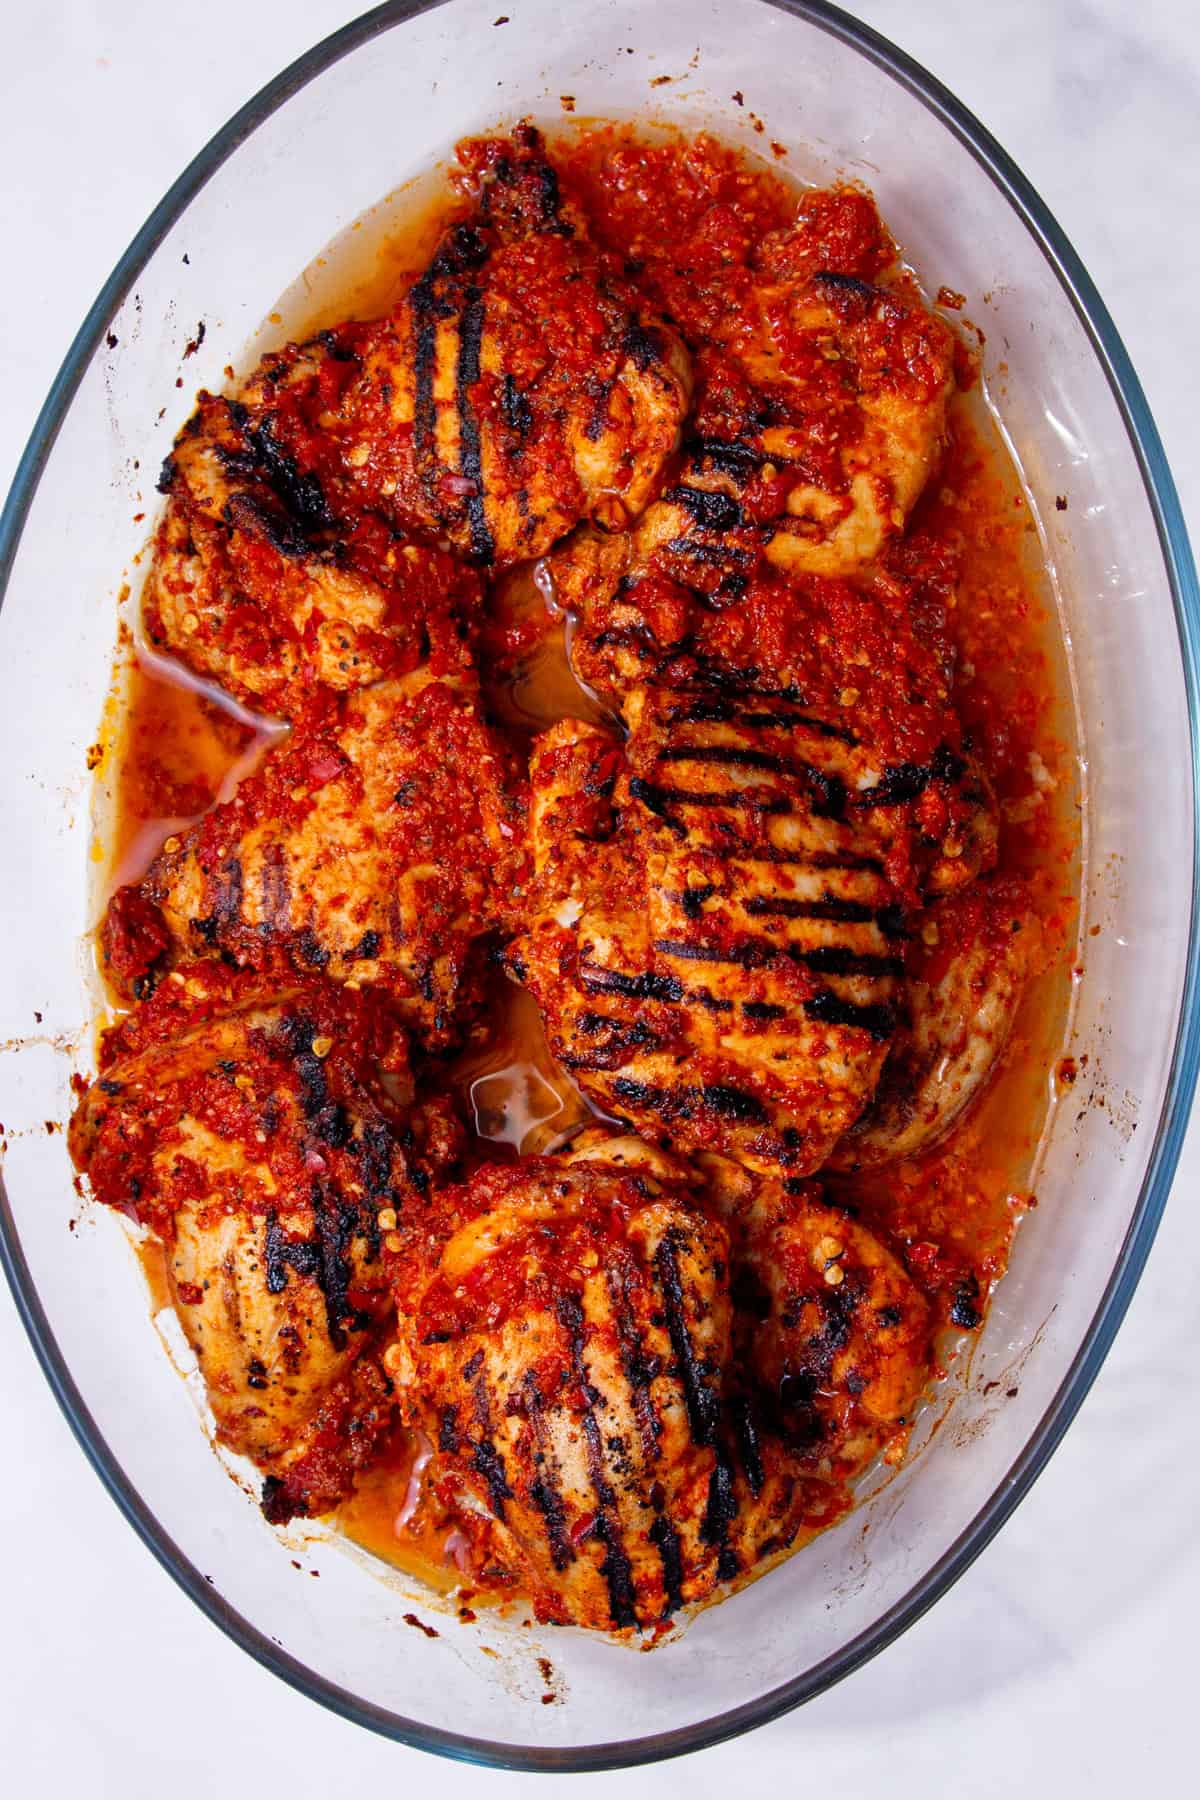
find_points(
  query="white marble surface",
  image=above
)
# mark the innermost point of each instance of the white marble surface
(1065, 1660)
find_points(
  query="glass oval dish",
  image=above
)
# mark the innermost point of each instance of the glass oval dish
(358, 116)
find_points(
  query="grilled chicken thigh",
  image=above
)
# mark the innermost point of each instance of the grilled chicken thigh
(716, 948)
(246, 1125)
(522, 385)
(264, 578)
(564, 1339)
(376, 844)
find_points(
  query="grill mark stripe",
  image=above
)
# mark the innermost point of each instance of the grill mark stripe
(666, 1541)
(770, 721)
(746, 1427)
(655, 799)
(616, 1567)
(703, 1402)
(636, 1366)
(829, 909)
(470, 339)
(644, 986)
(733, 755)
(829, 1009)
(543, 1490)
(832, 959)
(484, 1455)
(746, 956)
(683, 1100)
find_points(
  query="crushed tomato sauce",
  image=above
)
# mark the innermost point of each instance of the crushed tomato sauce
(965, 586)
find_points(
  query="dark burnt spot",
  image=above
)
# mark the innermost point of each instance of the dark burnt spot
(965, 1311)
(714, 512)
(515, 407)
(642, 345)
(827, 1008)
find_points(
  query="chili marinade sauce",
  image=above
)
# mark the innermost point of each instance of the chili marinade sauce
(172, 746)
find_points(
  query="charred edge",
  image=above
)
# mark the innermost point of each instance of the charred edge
(302, 496)
(703, 1402)
(484, 1455)
(846, 284)
(901, 782)
(470, 339)
(878, 1022)
(715, 512)
(245, 512)
(616, 1568)
(713, 556)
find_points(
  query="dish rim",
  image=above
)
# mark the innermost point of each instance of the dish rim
(1180, 569)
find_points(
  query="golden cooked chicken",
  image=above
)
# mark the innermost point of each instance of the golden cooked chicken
(263, 1131)
(522, 385)
(966, 974)
(766, 907)
(377, 844)
(263, 577)
(564, 1339)
(717, 946)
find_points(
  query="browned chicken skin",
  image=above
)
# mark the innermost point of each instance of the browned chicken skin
(378, 843)
(246, 1123)
(521, 386)
(564, 1338)
(263, 577)
(716, 952)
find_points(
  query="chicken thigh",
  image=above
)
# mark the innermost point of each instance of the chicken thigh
(522, 385)
(377, 844)
(268, 576)
(564, 1340)
(248, 1125)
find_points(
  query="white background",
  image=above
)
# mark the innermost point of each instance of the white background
(1065, 1661)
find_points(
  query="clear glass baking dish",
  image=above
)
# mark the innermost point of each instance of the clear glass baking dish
(359, 115)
